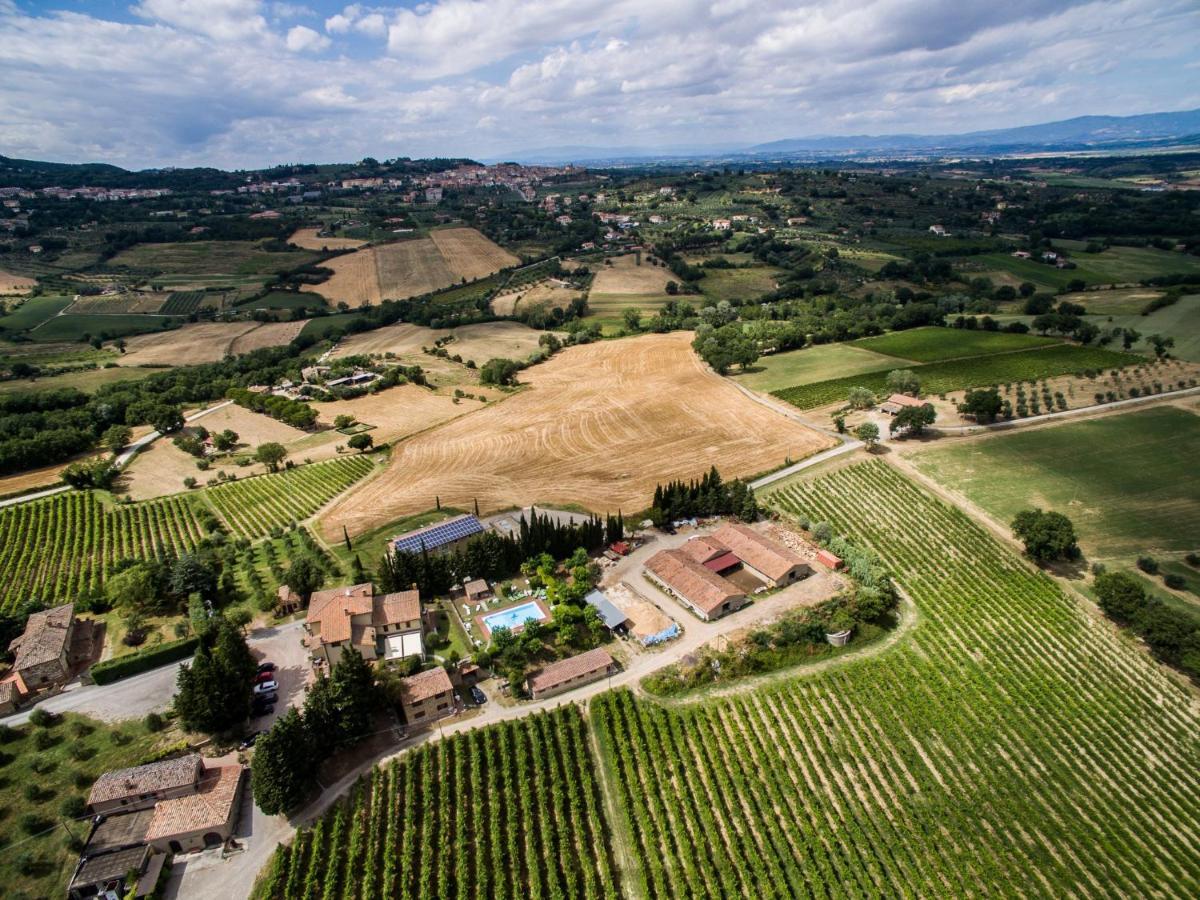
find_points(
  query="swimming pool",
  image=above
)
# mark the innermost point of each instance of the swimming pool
(514, 617)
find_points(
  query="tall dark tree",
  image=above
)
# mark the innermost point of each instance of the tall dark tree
(284, 763)
(1047, 535)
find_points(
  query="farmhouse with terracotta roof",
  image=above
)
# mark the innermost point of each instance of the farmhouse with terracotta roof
(427, 696)
(379, 626)
(766, 558)
(703, 591)
(897, 402)
(42, 652)
(570, 673)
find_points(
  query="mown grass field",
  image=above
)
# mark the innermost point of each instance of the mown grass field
(1129, 482)
(210, 258)
(1180, 321)
(84, 379)
(33, 312)
(961, 374)
(819, 363)
(938, 344)
(737, 285)
(74, 328)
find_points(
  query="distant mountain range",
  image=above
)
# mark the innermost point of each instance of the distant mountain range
(1078, 134)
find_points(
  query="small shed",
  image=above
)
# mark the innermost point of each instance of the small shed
(897, 402)
(477, 589)
(825, 558)
(612, 617)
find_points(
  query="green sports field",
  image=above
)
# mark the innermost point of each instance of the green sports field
(938, 344)
(819, 363)
(1129, 482)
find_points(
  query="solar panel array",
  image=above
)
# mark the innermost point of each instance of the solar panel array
(439, 535)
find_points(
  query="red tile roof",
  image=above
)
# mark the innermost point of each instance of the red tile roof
(692, 581)
(209, 808)
(331, 613)
(826, 558)
(904, 400)
(758, 551)
(703, 548)
(164, 775)
(391, 609)
(721, 563)
(564, 670)
(425, 686)
(45, 637)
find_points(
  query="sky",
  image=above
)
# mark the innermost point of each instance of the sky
(251, 83)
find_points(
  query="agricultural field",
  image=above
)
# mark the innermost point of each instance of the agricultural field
(75, 328)
(307, 239)
(131, 303)
(289, 300)
(1003, 747)
(15, 284)
(183, 303)
(268, 334)
(469, 254)
(738, 285)
(202, 259)
(189, 345)
(821, 362)
(1129, 482)
(411, 267)
(509, 811)
(480, 342)
(551, 294)
(61, 546)
(598, 426)
(355, 279)
(934, 344)
(625, 284)
(1117, 265)
(33, 312)
(253, 506)
(82, 379)
(1114, 302)
(1180, 321)
(961, 374)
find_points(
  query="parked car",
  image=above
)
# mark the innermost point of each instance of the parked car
(264, 710)
(248, 740)
(263, 677)
(478, 696)
(265, 699)
(266, 667)
(266, 687)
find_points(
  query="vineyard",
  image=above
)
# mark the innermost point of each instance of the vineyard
(1012, 746)
(182, 303)
(253, 507)
(60, 547)
(972, 372)
(509, 811)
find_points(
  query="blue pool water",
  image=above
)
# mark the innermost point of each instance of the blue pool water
(513, 617)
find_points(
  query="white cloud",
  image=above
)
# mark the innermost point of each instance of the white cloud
(301, 38)
(356, 17)
(221, 19)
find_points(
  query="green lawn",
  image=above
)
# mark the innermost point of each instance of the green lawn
(972, 372)
(33, 312)
(935, 344)
(1129, 482)
(1117, 265)
(819, 363)
(35, 859)
(86, 380)
(1180, 321)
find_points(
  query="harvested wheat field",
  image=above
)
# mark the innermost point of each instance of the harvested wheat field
(354, 280)
(186, 346)
(494, 340)
(307, 238)
(598, 426)
(551, 293)
(626, 278)
(15, 284)
(403, 340)
(409, 268)
(268, 334)
(469, 254)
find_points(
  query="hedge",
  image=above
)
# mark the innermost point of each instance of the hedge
(123, 666)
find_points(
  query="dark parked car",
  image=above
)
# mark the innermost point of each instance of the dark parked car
(264, 676)
(248, 741)
(266, 667)
(478, 696)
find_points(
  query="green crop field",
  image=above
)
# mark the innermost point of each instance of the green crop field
(285, 300)
(1129, 482)
(937, 344)
(252, 507)
(33, 312)
(819, 363)
(210, 258)
(1117, 265)
(511, 811)
(738, 285)
(321, 327)
(1180, 321)
(73, 328)
(81, 379)
(973, 372)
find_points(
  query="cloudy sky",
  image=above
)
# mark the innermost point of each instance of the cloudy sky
(243, 83)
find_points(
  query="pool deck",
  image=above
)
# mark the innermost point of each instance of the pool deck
(487, 632)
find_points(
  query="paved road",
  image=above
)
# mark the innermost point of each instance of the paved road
(133, 697)
(26, 498)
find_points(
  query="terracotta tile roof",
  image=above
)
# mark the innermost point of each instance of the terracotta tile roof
(573, 667)
(391, 609)
(163, 775)
(703, 548)
(425, 685)
(772, 559)
(287, 596)
(45, 636)
(475, 587)
(329, 611)
(904, 400)
(210, 807)
(690, 580)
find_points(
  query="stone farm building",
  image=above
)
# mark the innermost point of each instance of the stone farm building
(710, 574)
(427, 696)
(379, 626)
(897, 402)
(143, 813)
(42, 651)
(570, 673)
